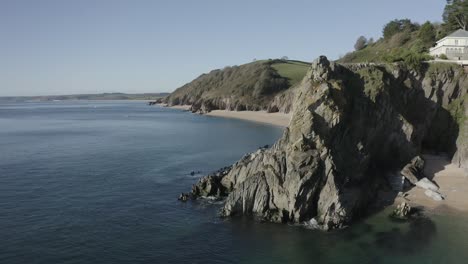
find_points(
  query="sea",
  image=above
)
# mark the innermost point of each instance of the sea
(98, 181)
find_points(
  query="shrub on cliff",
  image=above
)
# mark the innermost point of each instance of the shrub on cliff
(361, 43)
(398, 25)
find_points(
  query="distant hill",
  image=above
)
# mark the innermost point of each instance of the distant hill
(259, 85)
(102, 96)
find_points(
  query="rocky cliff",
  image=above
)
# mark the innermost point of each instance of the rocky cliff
(261, 85)
(350, 125)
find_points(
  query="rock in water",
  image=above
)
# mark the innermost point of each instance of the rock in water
(349, 127)
(210, 186)
(184, 197)
(402, 211)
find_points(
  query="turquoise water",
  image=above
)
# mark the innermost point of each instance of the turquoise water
(97, 182)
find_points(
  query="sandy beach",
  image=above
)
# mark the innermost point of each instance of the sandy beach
(277, 119)
(181, 107)
(453, 183)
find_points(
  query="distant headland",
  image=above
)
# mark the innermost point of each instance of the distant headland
(100, 96)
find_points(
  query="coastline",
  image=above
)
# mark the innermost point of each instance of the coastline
(453, 183)
(276, 119)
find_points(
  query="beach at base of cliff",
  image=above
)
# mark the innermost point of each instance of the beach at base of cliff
(277, 119)
(453, 183)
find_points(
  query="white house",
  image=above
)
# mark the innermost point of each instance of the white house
(454, 46)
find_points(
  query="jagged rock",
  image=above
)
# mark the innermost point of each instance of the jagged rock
(210, 186)
(402, 211)
(349, 128)
(413, 171)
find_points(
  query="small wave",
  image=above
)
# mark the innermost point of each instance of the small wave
(311, 224)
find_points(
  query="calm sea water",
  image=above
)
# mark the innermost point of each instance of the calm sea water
(97, 182)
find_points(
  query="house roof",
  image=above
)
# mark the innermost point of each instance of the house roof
(459, 34)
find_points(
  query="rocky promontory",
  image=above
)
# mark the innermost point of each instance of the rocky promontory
(351, 125)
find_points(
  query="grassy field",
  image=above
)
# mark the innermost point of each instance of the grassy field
(292, 70)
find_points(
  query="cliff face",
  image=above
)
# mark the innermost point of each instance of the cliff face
(350, 125)
(261, 85)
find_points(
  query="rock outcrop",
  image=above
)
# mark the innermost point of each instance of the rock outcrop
(349, 126)
(402, 211)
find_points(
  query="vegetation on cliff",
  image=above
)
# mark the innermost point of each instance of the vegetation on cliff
(406, 41)
(402, 40)
(251, 86)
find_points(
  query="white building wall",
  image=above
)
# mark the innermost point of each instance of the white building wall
(449, 45)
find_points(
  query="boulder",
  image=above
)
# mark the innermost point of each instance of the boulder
(436, 196)
(184, 197)
(402, 211)
(413, 171)
(427, 184)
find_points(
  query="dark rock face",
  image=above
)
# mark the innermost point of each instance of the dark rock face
(349, 126)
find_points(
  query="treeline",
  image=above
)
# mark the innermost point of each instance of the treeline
(406, 41)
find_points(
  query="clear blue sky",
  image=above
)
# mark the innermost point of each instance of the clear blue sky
(81, 46)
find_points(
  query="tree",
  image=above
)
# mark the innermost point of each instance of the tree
(361, 43)
(456, 14)
(398, 25)
(285, 58)
(427, 33)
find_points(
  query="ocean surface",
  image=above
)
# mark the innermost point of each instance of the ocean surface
(97, 182)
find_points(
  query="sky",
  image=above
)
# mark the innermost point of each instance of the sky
(53, 47)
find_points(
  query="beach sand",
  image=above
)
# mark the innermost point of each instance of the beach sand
(277, 119)
(181, 107)
(453, 183)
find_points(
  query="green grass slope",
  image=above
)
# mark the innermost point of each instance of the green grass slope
(249, 86)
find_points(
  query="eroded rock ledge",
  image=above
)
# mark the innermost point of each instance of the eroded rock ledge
(349, 126)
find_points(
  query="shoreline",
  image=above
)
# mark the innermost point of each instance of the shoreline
(276, 119)
(453, 183)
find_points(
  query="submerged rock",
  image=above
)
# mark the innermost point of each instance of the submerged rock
(184, 197)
